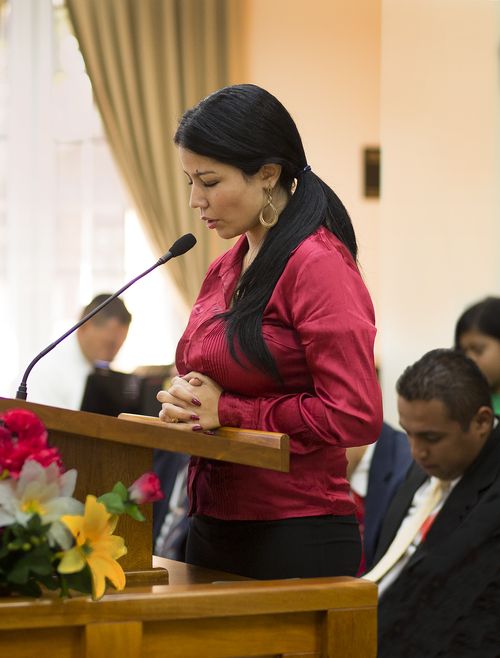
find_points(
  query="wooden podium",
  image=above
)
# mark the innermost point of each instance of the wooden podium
(104, 450)
(196, 612)
(201, 614)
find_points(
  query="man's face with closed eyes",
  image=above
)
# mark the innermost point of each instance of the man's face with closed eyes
(439, 444)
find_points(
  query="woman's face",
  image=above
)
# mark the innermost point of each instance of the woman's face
(229, 202)
(485, 351)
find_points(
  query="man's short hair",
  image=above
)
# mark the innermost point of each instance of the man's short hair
(451, 377)
(115, 309)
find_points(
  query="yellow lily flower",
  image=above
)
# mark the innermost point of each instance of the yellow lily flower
(96, 546)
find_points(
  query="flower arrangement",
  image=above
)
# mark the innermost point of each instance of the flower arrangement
(48, 539)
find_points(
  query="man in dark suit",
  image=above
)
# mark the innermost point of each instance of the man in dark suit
(389, 465)
(441, 596)
(375, 473)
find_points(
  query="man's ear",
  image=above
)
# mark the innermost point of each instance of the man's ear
(270, 173)
(483, 420)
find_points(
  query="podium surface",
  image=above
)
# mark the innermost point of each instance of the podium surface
(197, 617)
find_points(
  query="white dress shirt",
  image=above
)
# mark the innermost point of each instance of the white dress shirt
(419, 496)
(359, 477)
(59, 378)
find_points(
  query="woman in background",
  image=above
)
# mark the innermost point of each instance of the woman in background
(477, 334)
(279, 339)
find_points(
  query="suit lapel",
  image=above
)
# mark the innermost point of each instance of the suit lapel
(464, 497)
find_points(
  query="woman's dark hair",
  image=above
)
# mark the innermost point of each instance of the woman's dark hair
(483, 317)
(247, 127)
(451, 377)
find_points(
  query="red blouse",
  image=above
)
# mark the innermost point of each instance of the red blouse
(319, 327)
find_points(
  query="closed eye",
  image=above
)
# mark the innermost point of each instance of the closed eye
(432, 438)
(190, 182)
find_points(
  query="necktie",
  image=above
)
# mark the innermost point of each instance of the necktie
(404, 538)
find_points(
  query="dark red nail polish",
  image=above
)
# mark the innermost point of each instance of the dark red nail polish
(196, 402)
(211, 432)
(197, 428)
(194, 417)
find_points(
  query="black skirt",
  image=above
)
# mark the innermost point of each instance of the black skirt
(306, 547)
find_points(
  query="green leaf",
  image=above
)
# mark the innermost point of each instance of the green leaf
(50, 582)
(113, 502)
(121, 490)
(31, 588)
(81, 581)
(132, 510)
(37, 562)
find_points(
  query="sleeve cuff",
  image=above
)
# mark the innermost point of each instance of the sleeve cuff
(236, 411)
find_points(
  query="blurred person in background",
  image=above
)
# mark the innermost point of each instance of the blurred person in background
(60, 377)
(477, 334)
(375, 473)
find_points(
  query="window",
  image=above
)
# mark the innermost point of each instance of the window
(67, 227)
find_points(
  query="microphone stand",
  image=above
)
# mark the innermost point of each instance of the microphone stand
(179, 247)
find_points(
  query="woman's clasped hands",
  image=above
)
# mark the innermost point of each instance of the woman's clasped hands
(191, 402)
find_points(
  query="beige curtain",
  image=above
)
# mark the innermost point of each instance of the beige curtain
(148, 61)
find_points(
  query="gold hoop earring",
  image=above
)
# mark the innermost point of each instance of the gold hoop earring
(269, 204)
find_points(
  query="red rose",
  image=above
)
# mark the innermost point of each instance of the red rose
(13, 455)
(25, 424)
(22, 437)
(146, 489)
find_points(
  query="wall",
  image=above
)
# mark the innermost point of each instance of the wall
(420, 77)
(440, 210)
(322, 60)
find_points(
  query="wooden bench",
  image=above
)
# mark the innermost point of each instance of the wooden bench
(199, 614)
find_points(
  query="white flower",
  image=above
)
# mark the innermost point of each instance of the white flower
(42, 491)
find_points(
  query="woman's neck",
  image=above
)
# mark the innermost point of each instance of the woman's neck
(254, 245)
(257, 235)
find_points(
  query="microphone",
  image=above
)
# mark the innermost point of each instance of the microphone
(180, 246)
